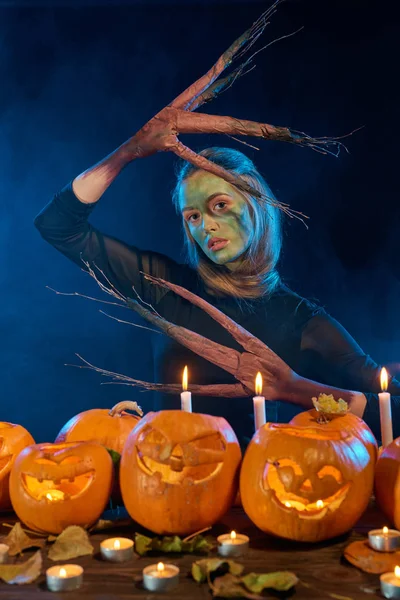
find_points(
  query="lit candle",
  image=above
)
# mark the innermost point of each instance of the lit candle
(385, 411)
(64, 578)
(259, 404)
(117, 549)
(186, 397)
(233, 544)
(384, 540)
(53, 495)
(390, 584)
(160, 577)
(4, 553)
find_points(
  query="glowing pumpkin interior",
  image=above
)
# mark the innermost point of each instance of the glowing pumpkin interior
(5, 459)
(311, 493)
(195, 461)
(55, 480)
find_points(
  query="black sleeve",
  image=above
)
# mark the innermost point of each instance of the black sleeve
(64, 224)
(339, 361)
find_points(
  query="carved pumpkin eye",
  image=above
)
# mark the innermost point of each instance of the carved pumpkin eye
(330, 471)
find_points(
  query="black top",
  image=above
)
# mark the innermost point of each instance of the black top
(310, 341)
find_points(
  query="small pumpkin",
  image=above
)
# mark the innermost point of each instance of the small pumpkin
(387, 482)
(179, 471)
(13, 439)
(53, 486)
(304, 483)
(345, 422)
(108, 427)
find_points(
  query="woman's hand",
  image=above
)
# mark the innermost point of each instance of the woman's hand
(157, 135)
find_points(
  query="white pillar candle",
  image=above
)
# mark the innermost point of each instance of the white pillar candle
(385, 411)
(259, 404)
(186, 397)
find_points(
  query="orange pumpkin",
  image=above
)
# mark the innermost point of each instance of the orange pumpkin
(13, 439)
(304, 483)
(108, 427)
(56, 485)
(347, 422)
(387, 482)
(179, 471)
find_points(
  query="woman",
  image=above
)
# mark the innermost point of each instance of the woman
(233, 242)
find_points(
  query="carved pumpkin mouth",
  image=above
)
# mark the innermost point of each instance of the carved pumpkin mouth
(309, 498)
(58, 481)
(5, 464)
(175, 472)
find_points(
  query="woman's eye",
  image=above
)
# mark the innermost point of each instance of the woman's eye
(220, 205)
(193, 217)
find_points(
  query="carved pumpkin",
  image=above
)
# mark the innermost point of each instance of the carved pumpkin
(108, 427)
(387, 482)
(13, 439)
(56, 485)
(304, 483)
(179, 471)
(347, 422)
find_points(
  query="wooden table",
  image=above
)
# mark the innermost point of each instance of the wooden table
(320, 565)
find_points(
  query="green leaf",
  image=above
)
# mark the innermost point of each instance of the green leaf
(168, 544)
(201, 569)
(281, 581)
(143, 544)
(115, 456)
(22, 573)
(198, 544)
(230, 586)
(72, 542)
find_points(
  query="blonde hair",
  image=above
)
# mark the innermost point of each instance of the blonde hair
(257, 274)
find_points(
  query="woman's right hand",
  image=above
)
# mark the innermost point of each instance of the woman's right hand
(157, 135)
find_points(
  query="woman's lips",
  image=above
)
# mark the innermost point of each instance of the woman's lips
(218, 245)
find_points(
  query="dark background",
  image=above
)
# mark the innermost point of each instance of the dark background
(77, 79)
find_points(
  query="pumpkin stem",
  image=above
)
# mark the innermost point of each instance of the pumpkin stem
(118, 409)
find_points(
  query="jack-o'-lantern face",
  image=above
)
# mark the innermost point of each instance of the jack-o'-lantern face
(13, 438)
(178, 471)
(303, 483)
(196, 460)
(56, 485)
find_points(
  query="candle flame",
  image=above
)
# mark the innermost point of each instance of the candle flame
(397, 571)
(160, 567)
(117, 545)
(233, 535)
(320, 504)
(384, 379)
(185, 379)
(54, 495)
(259, 383)
(288, 505)
(385, 530)
(63, 572)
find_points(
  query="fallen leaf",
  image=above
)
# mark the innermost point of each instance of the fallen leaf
(361, 555)
(281, 581)
(17, 540)
(104, 524)
(339, 597)
(197, 544)
(167, 544)
(22, 573)
(143, 544)
(230, 586)
(72, 542)
(201, 569)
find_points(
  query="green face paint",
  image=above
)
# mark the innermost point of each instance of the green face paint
(215, 210)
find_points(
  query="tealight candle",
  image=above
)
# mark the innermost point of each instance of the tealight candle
(259, 404)
(233, 544)
(384, 540)
(160, 577)
(64, 578)
(117, 549)
(390, 584)
(186, 397)
(4, 553)
(385, 411)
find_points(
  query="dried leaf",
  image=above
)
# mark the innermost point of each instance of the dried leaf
(339, 597)
(197, 544)
(281, 581)
(17, 540)
(72, 542)
(201, 569)
(230, 586)
(361, 555)
(104, 524)
(22, 573)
